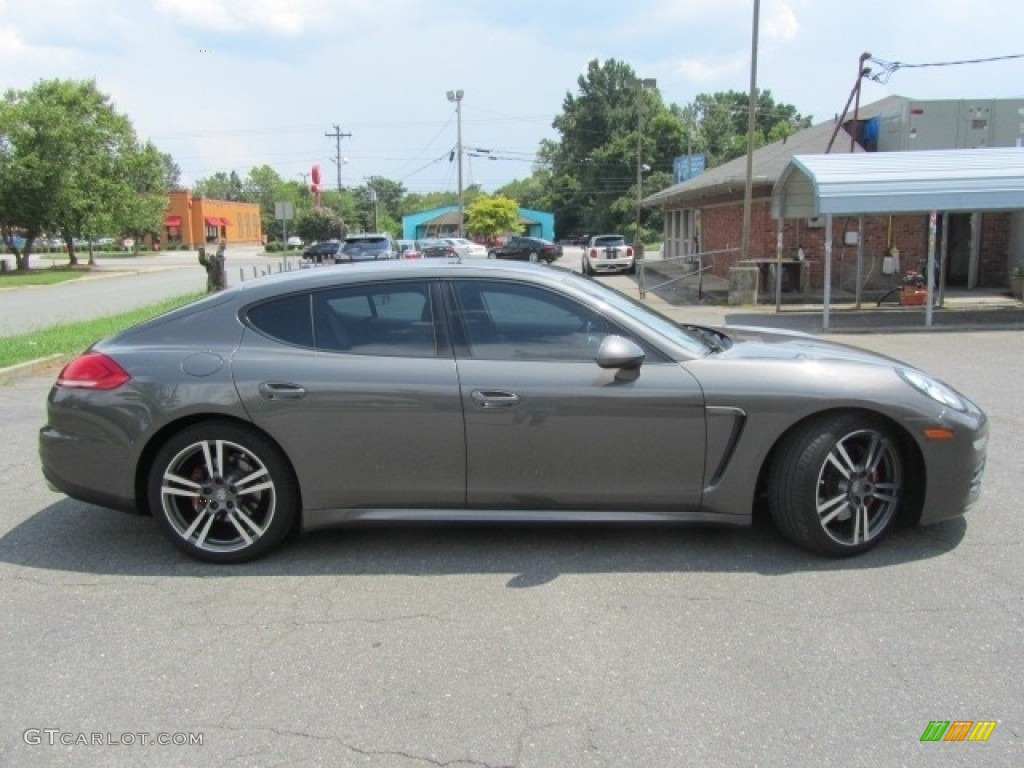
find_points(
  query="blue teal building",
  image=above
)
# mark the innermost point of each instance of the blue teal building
(444, 222)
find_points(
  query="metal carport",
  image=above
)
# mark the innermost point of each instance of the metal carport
(967, 180)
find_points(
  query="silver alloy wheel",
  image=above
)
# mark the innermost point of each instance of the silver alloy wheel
(859, 486)
(218, 496)
(534, 257)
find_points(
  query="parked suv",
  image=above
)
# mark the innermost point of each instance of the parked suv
(367, 247)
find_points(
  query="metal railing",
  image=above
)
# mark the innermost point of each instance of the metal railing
(692, 264)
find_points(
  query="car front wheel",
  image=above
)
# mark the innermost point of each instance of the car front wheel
(534, 258)
(222, 493)
(837, 484)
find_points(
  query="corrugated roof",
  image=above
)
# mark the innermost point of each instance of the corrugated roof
(901, 182)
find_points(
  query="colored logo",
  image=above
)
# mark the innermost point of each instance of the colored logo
(959, 730)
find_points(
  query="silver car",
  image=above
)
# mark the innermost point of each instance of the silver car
(428, 390)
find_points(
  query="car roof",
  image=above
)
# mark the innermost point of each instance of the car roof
(323, 277)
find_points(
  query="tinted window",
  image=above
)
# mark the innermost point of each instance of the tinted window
(512, 321)
(286, 319)
(609, 240)
(378, 319)
(366, 246)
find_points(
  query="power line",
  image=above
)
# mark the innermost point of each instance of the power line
(889, 68)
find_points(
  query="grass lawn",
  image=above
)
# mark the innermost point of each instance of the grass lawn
(42, 276)
(71, 338)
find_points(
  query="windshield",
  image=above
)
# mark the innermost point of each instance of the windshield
(656, 321)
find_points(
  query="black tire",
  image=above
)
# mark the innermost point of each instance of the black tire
(632, 269)
(836, 486)
(196, 493)
(585, 267)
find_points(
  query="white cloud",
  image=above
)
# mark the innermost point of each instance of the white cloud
(704, 71)
(286, 18)
(779, 25)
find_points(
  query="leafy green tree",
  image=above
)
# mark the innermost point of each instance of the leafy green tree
(489, 217)
(142, 213)
(591, 184)
(318, 224)
(721, 120)
(223, 186)
(66, 164)
(531, 192)
(172, 171)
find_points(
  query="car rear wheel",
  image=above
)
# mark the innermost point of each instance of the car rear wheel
(222, 493)
(837, 484)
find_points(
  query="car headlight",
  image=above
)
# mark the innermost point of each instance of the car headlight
(933, 388)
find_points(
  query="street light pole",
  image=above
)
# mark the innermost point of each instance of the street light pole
(456, 96)
(639, 85)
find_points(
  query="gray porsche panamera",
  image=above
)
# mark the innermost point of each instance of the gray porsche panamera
(494, 391)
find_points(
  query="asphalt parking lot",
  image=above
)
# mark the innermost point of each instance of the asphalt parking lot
(516, 645)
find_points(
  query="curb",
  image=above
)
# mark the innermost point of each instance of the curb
(30, 367)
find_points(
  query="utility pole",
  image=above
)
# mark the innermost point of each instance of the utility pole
(748, 195)
(456, 96)
(639, 84)
(338, 136)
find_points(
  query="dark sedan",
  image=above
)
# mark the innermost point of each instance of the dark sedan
(527, 249)
(427, 390)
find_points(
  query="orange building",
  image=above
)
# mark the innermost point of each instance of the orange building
(200, 221)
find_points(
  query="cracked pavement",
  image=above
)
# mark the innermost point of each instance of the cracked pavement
(516, 646)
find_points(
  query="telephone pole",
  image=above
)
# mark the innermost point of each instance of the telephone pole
(338, 136)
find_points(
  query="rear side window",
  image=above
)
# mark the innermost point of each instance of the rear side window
(394, 320)
(286, 319)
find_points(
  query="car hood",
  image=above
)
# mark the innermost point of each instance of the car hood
(752, 343)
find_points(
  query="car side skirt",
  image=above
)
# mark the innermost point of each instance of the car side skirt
(330, 518)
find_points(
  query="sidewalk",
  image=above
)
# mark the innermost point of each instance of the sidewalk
(962, 310)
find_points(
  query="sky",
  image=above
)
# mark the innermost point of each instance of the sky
(228, 85)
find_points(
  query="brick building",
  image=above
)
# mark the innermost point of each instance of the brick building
(705, 214)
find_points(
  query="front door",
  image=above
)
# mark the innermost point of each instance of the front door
(546, 428)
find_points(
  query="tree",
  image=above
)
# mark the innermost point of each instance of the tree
(489, 217)
(319, 224)
(222, 186)
(591, 181)
(66, 163)
(172, 171)
(142, 213)
(531, 192)
(721, 120)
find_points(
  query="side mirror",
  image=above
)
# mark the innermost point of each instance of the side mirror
(617, 352)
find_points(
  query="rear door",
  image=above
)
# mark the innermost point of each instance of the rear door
(546, 428)
(358, 385)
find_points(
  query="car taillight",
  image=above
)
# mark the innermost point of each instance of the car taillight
(93, 370)
(629, 251)
(593, 253)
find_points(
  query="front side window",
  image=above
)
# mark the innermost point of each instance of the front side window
(391, 319)
(514, 321)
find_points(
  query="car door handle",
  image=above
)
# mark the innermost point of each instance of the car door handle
(279, 390)
(495, 398)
